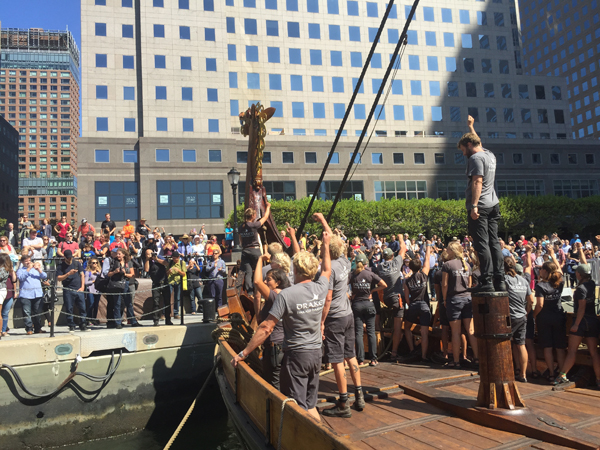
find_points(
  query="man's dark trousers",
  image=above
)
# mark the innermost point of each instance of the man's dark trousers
(484, 232)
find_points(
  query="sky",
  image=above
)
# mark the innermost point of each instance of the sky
(46, 14)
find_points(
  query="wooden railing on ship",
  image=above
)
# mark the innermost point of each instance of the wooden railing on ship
(262, 403)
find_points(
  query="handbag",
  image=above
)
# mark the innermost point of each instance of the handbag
(117, 285)
(101, 283)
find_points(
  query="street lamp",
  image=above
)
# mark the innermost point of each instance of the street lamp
(234, 178)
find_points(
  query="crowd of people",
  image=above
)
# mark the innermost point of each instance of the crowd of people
(313, 309)
(89, 263)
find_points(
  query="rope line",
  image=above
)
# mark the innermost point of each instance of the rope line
(281, 420)
(92, 318)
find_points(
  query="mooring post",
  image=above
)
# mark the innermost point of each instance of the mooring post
(491, 318)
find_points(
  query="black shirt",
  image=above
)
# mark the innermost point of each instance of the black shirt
(362, 283)
(158, 274)
(72, 281)
(108, 224)
(417, 288)
(586, 291)
(552, 303)
(141, 229)
(249, 234)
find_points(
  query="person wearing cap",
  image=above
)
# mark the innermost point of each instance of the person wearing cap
(70, 273)
(176, 270)
(184, 247)
(586, 325)
(143, 229)
(84, 229)
(390, 271)
(30, 276)
(198, 248)
(128, 230)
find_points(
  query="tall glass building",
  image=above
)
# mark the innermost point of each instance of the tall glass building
(165, 80)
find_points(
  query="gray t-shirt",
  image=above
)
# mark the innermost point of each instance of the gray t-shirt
(391, 272)
(300, 308)
(482, 164)
(338, 283)
(518, 290)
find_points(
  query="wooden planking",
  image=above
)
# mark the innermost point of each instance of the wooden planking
(464, 436)
(500, 437)
(576, 409)
(360, 421)
(559, 414)
(394, 440)
(435, 439)
(407, 407)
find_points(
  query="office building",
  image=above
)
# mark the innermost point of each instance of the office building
(9, 170)
(164, 82)
(561, 38)
(39, 96)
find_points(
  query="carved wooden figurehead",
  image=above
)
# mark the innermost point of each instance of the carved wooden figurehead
(252, 125)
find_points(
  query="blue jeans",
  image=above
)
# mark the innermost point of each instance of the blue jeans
(8, 302)
(176, 290)
(215, 287)
(92, 302)
(71, 298)
(195, 293)
(32, 306)
(113, 309)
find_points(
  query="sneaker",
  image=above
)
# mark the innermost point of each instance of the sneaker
(156, 323)
(521, 379)
(73, 328)
(439, 358)
(137, 324)
(338, 411)
(168, 322)
(481, 288)
(561, 379)
(118, 327)
(359, 403)
(84, 328)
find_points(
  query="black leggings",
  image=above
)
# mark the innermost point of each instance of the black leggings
(250, 257)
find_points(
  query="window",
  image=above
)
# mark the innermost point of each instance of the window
(469, 65)
(451, 190)
(253, 80)
(287, 157)
(490, 114)
(517, 158)
(186, 63)
(233, 83)
(101, 92)
(293, 29)
(119, 199)
(415, 87)
(159, 31)
(354, 33)
(413, 62)
(473, 112)
(509, 115)
(352, 8)
(189, 199)
(128, 93)
(418, 113)
(412, 37)
(272, 28)
(275, 82)
(355, 59)
(184, 4)
(273, 55)
(129, 125)
(450, 64)
(184, 32)
(448, 39)
(271, 4)
(298, 110)
(291, 5)
(249, 3)
(213, 126)
(209, 34)
(252, 53)
(542, 115)
(250, 26)
(209, 5)
(162, 124)
(467, 41)
(400, 189)
(536, 158)
(398, 158)
(554, 158)
(488, 90)
(337, 84)
(100, 60)
(428, 14)
(372, 9)
(100, 3)
(101, 156)
(540, 93)
(446, 15)
(188, 155)
(556, 93)
(559, 116)
(436, 113)
(161, 92)
(163, 155)
(101, 123)
(376, 158)
(484, 42)
(159, 61)
(315, 58)
(589, 158)
(523, 91)
(525, 115)
(498, 19)
(295, 56)
(471, 90)
(328, 189)
(242, 157)
(520, 187)
(100, 29)
(319, 110)
(572, 158)
(439, 158)
(230, 21)
(419, 158)
(464, 16)
(506, 91)
(214, 156)
(130, 156)
(128, 62)
(296, 82)
(575, 188)
(310, 157)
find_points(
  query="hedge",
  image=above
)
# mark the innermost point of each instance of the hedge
(528, 215)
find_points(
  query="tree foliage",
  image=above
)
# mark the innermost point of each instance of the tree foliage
(446, 218)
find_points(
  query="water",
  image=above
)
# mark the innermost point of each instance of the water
(208, 428)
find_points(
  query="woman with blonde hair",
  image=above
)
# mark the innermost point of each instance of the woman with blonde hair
(549, 316)
(93, 270)
(456, 281)
(8, 279)
(284, 262)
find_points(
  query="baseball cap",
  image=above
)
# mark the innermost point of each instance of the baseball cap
(150, 236)
(83, 220)
(388, 253)
(576, 236)
(584, 269)
(518, 268)
(68, 253)
(361, 258)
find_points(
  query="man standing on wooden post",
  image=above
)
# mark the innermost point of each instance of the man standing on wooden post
(483, 211)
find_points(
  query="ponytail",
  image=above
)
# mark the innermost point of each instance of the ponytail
(456, 249)
(554, 275)
(509, 266)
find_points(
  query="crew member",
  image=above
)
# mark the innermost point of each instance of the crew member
(300, 309)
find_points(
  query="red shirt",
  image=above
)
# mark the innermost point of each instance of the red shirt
(73, 246)
(116, 244)
(63, 227)
(287, 241)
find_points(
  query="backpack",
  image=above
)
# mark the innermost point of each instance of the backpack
(101, 283)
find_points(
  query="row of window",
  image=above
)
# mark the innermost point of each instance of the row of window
(209, 5)
(162, 124)
(189, 155)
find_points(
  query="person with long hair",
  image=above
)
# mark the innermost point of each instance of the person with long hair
(456, 281)
(364, 284)
(528, 274)
(549, 315)
(520, 298)
(417, 299)
(275, 281)
(118, 275)
(586, 325)
(8, 278)
(93, 271)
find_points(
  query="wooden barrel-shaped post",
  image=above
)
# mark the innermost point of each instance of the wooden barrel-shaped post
(491, 318)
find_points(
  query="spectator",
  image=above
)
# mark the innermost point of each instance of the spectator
(194, 275)
(24, 226)
(394, 245)
(108, 226)
(114, 269)
(129, 294)
(11, 235)
(198, 248)
(33, 246)
(30, 277)
(215, 270)
(8, 279)
(51, 252)
(143, 230)
(118, 242)
(286, 240)
(128, 230)
(176, 272)
(369, 241)
(185, 248)
(229, 236)
(68, 244)
(94, 270)
(46, 228)
(157, 270)
(62, 228)
(70, 273)
(84, 229)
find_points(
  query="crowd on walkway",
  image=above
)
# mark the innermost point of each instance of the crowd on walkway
(349, 284)
(90, 262)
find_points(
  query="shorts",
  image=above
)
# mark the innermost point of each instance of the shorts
(519, 330)
(300, 376)
(588, 328)
(552, 331)
(420, 313)
(394, 305)
(530, 333)
(458, 308)
(339, 339)
(443, 314)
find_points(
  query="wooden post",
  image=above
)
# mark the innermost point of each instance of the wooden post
(491, 318)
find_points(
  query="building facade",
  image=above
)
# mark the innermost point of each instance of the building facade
(39, 96)
(9, 168)
(165, 80)
(561, 38)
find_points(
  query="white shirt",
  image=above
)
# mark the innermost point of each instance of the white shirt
(199, 248)
(35, 253)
